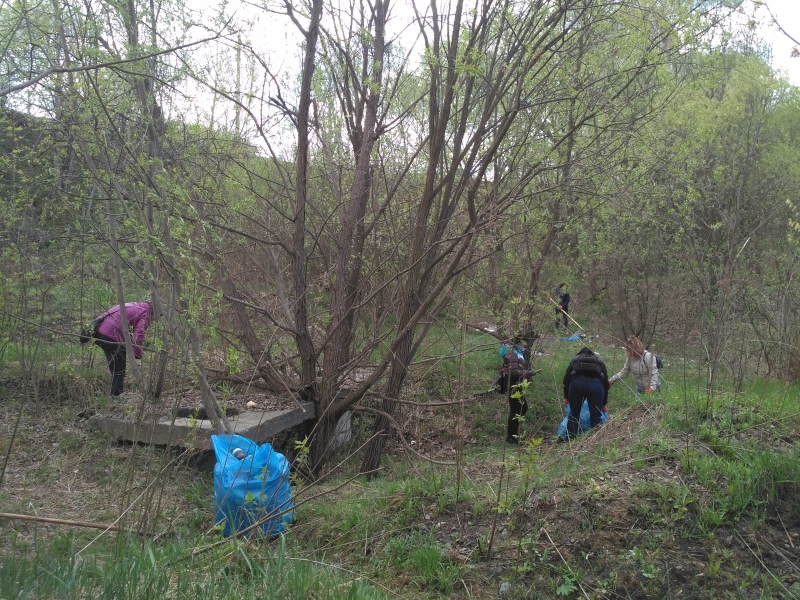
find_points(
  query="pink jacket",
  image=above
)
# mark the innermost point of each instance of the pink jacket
(138, 314)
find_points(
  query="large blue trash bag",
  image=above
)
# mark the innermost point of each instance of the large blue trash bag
(584, 422)
(250, 489)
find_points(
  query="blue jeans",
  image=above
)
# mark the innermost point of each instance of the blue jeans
(591, 390)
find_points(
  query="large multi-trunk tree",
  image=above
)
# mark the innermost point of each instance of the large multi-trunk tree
(498, 82)
(346, 182)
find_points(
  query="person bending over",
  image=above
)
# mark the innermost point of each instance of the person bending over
(112, 342)
(586, 378)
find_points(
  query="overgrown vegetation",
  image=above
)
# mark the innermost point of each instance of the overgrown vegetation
(676, 496)
(355, 219)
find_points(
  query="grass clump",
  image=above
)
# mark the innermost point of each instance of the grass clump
(155, 571)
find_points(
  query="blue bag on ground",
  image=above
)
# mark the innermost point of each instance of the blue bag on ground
(575, 337)
(252, 489)
(584, 423)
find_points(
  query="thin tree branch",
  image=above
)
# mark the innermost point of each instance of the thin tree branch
(105, 65)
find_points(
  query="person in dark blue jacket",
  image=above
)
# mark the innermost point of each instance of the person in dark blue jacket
(586, 379)
(562, 297)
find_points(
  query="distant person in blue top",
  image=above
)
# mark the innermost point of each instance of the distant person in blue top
(562, 297)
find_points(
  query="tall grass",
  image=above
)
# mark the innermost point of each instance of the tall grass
(235, 571)
(422, 530)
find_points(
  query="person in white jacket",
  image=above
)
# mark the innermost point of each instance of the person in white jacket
(642, 364)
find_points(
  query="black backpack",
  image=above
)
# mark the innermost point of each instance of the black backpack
(587, 365)
(89, 331)
(657, 359)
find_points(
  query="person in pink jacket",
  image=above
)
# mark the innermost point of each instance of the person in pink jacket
(111, 340)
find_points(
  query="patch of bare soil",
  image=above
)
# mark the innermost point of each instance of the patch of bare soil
(92, 394)
(59, 467)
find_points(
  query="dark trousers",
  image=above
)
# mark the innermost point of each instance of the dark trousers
(517, 407)
(591, 390)
(117, 362)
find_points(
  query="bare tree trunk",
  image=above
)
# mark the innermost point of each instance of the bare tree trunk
(305, 345)
(448, 179)
(410, 298)
(348, 266)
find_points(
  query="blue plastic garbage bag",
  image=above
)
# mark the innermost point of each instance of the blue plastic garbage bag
(584, 423)
(251, 489)
(575, 337)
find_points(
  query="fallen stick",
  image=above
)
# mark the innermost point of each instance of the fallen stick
(62, 522)
(569, 316)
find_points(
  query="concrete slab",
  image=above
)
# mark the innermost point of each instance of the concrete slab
(258, 426)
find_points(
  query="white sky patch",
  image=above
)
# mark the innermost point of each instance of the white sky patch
(787, 15)
(277, 42)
